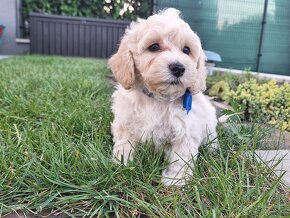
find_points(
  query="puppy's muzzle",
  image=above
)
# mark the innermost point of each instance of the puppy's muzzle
(177, 69)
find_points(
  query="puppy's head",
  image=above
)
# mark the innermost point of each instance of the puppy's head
(162, 54)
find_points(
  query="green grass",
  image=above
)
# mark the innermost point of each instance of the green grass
(55, 154)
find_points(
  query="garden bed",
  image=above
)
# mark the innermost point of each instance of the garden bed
(255, 100)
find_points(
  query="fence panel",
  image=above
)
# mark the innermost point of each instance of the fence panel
(276, 45)
(233, 28)
(74, 36)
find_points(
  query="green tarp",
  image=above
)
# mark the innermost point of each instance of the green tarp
(232, 28)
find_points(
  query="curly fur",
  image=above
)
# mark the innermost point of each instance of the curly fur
(161, 118)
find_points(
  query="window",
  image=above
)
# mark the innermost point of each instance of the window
(21, 25)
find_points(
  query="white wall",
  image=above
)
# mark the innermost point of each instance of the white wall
(8, 19)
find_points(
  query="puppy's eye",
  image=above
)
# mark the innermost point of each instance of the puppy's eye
(154, 47)
(186, 50)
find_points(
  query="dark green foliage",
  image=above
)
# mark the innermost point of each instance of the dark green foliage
(90, 8)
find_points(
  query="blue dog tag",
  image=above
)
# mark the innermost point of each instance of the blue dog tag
(187, 100)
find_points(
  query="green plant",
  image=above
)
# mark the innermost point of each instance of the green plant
(220, 90)
(265, 102)
(234, 80)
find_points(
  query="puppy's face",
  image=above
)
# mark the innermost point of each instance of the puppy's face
(162, 54)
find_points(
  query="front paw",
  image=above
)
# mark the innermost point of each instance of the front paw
(173, 178)
(121, 157)
(173, 181)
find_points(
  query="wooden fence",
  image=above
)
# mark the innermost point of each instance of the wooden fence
(74, 36)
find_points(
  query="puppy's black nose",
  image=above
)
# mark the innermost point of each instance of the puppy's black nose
(177, 69)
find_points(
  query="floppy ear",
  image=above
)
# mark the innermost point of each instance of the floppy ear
(200, 82)
(122, 65)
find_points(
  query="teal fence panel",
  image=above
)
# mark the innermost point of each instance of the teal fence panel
(232, 28)
(276, 44)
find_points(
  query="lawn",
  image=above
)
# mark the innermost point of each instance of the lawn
(55, 154)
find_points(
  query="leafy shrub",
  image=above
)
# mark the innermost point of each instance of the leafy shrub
(265, 102)
(233, 80)
(122, 9)
(220, 89)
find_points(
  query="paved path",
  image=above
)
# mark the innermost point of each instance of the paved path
(277, 145)
(5, 56)
(272, 156)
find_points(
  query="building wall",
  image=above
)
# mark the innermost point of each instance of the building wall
(8, 19)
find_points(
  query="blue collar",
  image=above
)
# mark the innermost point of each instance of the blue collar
(187, 100)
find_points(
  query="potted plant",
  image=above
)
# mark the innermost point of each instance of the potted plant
(2, 27)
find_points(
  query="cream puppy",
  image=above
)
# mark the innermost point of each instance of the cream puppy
(158, 61)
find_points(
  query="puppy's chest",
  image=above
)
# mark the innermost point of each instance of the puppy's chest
(159, 124)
